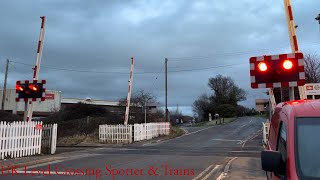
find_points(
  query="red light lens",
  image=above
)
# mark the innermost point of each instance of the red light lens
(20, 88)
(262, 66)
(287, 64)
(33, 87)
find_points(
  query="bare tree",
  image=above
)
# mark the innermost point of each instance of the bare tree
(201, 106)
(139, 98)
(226, 91)
(312, 68)
(137, 102)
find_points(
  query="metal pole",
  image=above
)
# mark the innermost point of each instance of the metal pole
(5, 86)
(36, 68)
(126, 118)
(25, 110)
(166, 88)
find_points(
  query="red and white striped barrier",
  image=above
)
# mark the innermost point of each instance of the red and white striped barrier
(126, 118)
(293, 56)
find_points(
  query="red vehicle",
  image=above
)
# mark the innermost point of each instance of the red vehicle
(293, 149)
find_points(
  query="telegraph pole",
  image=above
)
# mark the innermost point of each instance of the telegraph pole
(166, 64)
(5, 85)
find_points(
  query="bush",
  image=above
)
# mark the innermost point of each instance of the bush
(83, 126)
(9, 117)
(226, 110)
(77, 111)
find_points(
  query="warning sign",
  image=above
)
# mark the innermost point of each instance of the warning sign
(312, 89)
(49, 96)
(39, 126)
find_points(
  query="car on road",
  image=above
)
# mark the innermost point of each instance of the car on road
(293, 145)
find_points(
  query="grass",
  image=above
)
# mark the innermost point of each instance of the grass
(71, 140)
(175, 132)
(93, 138)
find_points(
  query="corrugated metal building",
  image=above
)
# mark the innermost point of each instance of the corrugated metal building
(41, 108)
(112, 106)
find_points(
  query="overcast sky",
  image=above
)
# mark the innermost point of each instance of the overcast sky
(99, 37)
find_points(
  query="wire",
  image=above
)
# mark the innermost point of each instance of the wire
(12, 65)
(110, 72)
(154, 82)
(190, 58)
(212, 67)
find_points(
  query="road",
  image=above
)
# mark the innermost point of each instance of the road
(200, 154)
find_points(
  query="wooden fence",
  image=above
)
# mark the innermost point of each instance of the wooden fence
(18, 139)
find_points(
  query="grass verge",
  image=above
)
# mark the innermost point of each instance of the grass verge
(93, 138)
(175, 132)
(71, 140)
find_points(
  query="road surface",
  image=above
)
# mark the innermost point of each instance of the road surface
(202, 153)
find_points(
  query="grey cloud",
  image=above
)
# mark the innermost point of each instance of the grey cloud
(103, 35)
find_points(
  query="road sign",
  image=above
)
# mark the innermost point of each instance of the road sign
(312, 89)
(39, 126)
(283, 70)
(49, 96)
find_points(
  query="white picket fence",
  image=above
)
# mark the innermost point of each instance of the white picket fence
(115, 133)
(129, 133)
(49, 138)
(18, 139)
(265, 130)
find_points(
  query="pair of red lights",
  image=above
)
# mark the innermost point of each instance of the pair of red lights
(33, 87)
(287, 64)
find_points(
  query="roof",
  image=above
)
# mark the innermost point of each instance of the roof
(89, 101)
(262, 100)
(302, 108)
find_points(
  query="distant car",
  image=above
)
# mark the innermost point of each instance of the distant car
(36, 118)
(293, 149)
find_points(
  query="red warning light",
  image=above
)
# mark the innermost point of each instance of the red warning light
(262, 66)
(20, 88)
(287, 64)
(33, 87)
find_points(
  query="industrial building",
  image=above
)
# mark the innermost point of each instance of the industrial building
(112, 106)
(54, 102)
(51, 104)
(262, 105)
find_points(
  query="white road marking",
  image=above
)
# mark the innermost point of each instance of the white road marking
(251, 137)
(226, 169)
(203, 172)
(185, 131)
(211, 172)
(244, 151)
(188, 134)
(226, 140)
